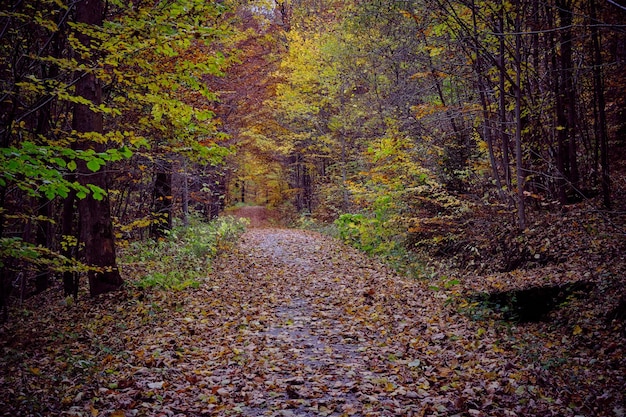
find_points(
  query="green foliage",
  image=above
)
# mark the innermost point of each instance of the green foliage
(182, 259)
(40, 170)
(379, 234)
(15, 249)
(157, 61)
(152, 61)
(374, 233)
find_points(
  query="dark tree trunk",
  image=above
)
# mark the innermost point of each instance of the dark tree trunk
(5, 293)
(162, 202)
(521, 207)
(45, 211)
(185, 194)
(566, 103)
(43, 238)
(568, 67)
(502, 105)
(307, 184)
(96, 228)
(561, 126)
(4, 281)
(601, 128)
(69, 247)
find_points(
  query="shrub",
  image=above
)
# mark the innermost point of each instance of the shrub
(380, 233)
(181, 259)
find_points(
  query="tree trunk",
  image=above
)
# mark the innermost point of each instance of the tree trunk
(481, 85)
(69, 247)
(601, 129)
(502, 108)
(521, 207)
(162, 201)
(344, 174)
(566, 106)
(185, 196)
(457, 153)
(43, 239)
(96, 228)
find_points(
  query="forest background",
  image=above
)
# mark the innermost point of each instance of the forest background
(449, 138)
(410, 125)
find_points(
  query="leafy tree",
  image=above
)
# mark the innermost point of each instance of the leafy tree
(82, 86)
(47, 103)
(481, 93)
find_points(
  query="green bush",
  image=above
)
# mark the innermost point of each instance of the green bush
(181, 259)
(379, 233)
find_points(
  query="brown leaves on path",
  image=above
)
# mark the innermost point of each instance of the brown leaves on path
(258, 216)
(292, 323)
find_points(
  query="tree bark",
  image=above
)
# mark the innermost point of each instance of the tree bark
(96, 228)
(566, 104)
(601, 128)
(502, 104)
(43, 239)
(481, 85)
(68, 245)
(162, 201)
(185, 197)
(521, 207)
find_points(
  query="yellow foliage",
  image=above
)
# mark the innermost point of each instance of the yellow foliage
(424, 110)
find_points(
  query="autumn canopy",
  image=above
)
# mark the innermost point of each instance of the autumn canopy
(470, 152)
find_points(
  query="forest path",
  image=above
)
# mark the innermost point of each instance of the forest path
(315, 324)
(294, 323)
(316, 328)
(259, 216)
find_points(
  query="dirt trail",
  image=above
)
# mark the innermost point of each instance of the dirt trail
(257, 215)
(317, 316)
(319, 329)
(293, 323)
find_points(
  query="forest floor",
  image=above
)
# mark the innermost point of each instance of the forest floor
(294, 323)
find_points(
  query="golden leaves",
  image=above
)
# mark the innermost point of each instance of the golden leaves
(424, 110)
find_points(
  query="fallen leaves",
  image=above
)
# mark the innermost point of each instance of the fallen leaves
(291, 323)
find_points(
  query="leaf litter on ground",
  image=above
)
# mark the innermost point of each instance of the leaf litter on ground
(293, 323)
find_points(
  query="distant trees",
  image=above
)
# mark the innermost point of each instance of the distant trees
(255, 172)
(117, 117)
(507, 100)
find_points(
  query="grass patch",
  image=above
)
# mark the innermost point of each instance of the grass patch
(182, 259)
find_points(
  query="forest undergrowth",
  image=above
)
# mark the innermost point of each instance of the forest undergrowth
(294, 323)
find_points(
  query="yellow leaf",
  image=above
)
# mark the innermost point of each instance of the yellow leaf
(117, 413)
(35, 371)
(577, 330)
